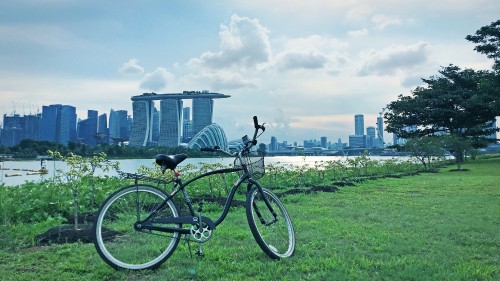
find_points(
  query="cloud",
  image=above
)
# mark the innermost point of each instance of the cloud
(308, 59)
(131, 67)
(157, 80)
(358, 13)
(393, 58)
(244, 44)
(312, 52)
(383, 21)
(358, 33)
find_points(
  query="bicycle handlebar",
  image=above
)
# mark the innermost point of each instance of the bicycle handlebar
(246, 142)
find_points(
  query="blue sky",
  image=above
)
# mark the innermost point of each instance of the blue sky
(304, 67)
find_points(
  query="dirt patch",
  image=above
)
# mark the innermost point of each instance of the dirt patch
(65, 234)
(459, 170)
(310, 190)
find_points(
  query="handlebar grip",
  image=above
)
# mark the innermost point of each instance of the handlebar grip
(255, 122)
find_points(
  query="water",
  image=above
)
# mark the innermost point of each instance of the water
(131, 165)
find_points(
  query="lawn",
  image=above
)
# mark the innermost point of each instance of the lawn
(433, 226)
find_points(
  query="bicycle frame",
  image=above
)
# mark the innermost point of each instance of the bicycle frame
(179, 186)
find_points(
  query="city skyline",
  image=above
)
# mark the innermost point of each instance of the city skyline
(304, 69)
(121, 126)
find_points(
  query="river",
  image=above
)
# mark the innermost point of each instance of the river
(24, 168)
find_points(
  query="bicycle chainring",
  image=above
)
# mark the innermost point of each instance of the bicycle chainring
(201, 234)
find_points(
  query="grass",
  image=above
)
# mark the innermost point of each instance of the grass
(434, 226)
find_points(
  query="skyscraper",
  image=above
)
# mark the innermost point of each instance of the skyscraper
(87, 129)
(118, 125)
(359, 124)
(380, 132)
(171, 115)
(371, 138)
(48, 122)
(58, 123)
(66, 125)
(170, 124)
(141, 133)
(187, 125)
(358, 140)
(202, 113)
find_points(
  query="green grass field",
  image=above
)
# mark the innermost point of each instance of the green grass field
(434, 226)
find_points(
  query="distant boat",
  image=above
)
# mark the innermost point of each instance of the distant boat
(13, 174)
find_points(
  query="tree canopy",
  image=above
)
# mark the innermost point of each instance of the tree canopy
(488, 40)
(461, 104)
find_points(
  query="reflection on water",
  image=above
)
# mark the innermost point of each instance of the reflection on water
(17, 172)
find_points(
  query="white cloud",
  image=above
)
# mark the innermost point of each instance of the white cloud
(309, 59)
(131, 67)
(358, 33)
(156, 81)
(393, 58)
(358, 13)
(312, 52)
(244, 44)
(383, 21)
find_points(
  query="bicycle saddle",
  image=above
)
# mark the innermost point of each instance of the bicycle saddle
(170, 161)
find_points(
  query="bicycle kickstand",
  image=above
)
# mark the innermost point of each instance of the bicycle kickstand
(200, 253)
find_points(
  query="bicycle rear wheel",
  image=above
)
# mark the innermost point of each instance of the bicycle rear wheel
(274, 234)
(120, 243)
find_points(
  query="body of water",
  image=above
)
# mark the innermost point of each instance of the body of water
(17, 172)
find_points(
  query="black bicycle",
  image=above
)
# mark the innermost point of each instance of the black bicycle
(139, 227)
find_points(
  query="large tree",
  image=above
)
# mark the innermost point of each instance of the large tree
(460, 103)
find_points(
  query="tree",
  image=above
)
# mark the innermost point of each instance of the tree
(424, 148)
(488, 40)
(460, 103)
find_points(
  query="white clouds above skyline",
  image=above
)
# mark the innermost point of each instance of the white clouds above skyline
(305, 68)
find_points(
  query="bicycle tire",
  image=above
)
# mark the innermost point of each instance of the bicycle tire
(277, 239)
(119, 244)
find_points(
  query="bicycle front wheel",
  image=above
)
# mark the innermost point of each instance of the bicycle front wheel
(273, 232)
(123, 245)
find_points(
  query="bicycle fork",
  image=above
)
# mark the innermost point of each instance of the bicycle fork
(268, 205)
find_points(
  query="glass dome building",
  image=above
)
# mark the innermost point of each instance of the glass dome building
(209, 136)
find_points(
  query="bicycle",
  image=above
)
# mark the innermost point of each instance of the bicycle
(138, 227)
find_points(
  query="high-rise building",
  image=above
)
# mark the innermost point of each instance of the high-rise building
(32, 126)
(170, 124)
(324, 142)
(58, 124)
(87, 129)
(371, 138)
(48, 130)
(274, 144)
(66, 125)
(171, 116)
(202, 113)
(141, 133)
(359, 124)
(358, 140)
(155, 130)
(13, 130)
(187, 125)
(118, 125)
(380, 132)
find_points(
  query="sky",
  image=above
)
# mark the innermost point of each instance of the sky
(305, 68)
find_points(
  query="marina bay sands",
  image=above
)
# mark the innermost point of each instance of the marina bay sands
(170, 117)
